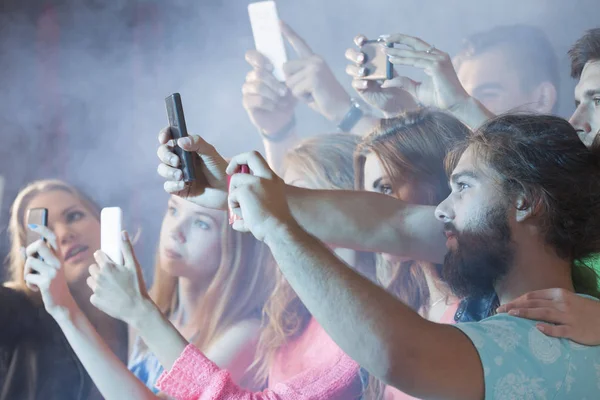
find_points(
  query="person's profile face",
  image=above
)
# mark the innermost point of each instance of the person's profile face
(586, 118)
(478, 234)
(376, 179)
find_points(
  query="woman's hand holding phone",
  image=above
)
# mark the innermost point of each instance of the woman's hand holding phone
(443, 90)
(311, 80)
(372, 61)
(46, 274)
(268, 102)
(210, 187)
(119, 290)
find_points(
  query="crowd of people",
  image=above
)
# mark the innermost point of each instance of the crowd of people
(444, 243)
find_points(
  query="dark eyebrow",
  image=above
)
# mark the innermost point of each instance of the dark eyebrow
(464, 174)
(377, 182)
(591, 92)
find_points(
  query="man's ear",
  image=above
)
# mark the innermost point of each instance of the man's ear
(526, 206)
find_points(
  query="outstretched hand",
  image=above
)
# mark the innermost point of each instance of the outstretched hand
(258, 198)
(443, 90)
(119, 290)
(311, 80)
(44, 272)
(565, 314)
(390, 100)
(210, 190)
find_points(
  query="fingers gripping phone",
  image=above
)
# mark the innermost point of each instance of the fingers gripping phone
(179, 130)
(111, 226)
(267, 34)
(244, 169)
(377, 63)
(39, 217)
(36, 216)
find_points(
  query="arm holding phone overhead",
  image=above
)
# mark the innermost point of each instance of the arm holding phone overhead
(358, 220)
(308, 78)
(111, 376)
(443, 89)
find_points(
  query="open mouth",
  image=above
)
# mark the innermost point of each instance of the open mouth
(172, 254)
(75, 251)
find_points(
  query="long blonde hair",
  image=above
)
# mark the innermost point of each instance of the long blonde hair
(326, 162)
(237, 292)
(18, 233)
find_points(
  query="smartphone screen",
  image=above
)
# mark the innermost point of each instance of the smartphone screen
(178, 130)
(267, 34)
(111, 226)
(36, 216)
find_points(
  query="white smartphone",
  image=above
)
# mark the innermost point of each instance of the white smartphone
(267, 34)
(111, 226)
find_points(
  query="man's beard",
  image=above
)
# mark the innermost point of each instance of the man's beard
(480, 258)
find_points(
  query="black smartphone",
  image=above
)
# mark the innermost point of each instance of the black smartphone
(36, 216)
(377, 62)
(179, 130)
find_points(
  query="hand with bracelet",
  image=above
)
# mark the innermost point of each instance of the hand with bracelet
(308, 78)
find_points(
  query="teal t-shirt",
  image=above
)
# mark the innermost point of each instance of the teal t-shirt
(520, 362)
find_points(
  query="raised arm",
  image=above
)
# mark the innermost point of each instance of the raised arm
(383, 335)
(270, 106)
(111, 376)
(120, 292)
(357, 220)
(369, 221)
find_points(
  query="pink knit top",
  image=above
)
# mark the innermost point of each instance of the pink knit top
(310, 367)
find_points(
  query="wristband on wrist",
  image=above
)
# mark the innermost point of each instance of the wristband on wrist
(351, 118)
(281, 134)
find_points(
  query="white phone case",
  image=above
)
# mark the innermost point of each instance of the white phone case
(111, 221)
(267, 34)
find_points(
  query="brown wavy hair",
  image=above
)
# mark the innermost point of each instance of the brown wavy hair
(326, 161)
(413, 147)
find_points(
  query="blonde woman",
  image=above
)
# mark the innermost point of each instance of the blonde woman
(211, 281)
(296, 357)
(36, 362)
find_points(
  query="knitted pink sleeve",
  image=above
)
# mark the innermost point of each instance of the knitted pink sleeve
(195, 377)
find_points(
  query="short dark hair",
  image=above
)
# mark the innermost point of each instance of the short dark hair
(542, 156)
(585, 49)
(529, 49)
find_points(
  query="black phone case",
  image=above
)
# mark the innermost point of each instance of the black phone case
(36, 216)
(179, 130)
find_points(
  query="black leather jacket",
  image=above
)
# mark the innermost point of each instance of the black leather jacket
(36, 361)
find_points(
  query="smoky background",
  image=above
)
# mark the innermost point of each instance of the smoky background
(83, 82)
